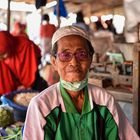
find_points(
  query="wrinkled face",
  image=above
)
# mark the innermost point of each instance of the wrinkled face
(72, 60)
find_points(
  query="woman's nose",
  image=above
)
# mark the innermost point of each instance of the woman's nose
(74, 60)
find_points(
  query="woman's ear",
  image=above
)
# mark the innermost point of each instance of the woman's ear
(53, 62)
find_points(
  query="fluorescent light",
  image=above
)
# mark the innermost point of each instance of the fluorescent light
(21, 6)
(17, 6)
(51, 4)
(106, 17)
(94, 18)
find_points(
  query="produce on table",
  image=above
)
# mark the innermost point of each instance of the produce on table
(6, 115)
(24, 98)
(12, 132)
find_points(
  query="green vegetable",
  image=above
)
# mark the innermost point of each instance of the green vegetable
(15, 136)
(6, 115)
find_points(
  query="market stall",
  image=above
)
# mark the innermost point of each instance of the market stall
(119, 75)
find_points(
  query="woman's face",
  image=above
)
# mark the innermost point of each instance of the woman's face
(72, 61)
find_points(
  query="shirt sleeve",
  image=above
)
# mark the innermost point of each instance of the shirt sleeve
(126, 131)
(34, 123)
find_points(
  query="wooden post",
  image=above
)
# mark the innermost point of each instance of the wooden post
(58, 13)
(136, 88)
(138, 32)
(8, 16)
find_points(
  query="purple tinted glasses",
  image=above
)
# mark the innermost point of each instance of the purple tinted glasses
(67, 56)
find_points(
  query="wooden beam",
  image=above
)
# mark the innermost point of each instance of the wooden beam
(136, 87)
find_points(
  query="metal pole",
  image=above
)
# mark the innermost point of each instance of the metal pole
(58, 13)
(8, 16)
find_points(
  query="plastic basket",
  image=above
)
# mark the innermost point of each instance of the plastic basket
(19, 110)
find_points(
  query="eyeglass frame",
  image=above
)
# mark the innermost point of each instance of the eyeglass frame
(55, 49)
(86, 53)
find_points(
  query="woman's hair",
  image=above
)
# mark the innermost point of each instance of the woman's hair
(45, 17)
(80, 17)
(54, 50)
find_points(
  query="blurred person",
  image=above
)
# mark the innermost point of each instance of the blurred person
(46, 32)
(99, 25)
(73, 109)
(110, 26)
(49, 74)
(19, 59)
(19, 29)
(80, 21)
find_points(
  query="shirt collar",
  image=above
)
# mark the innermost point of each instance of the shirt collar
(69, 105)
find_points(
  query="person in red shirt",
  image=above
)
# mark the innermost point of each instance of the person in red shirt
(19, 60)
(46, 32)
(19, 29)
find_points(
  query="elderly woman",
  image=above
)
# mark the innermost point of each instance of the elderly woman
(73, 109)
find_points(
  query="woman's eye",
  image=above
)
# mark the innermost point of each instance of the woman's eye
(82, 54)
(66, 54)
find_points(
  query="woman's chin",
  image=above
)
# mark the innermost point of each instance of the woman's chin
(74, 79)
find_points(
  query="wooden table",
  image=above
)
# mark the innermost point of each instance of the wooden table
(121, 94)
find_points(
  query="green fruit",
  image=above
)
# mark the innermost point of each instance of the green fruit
(6, 116)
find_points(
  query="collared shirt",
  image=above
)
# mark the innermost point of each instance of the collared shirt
(52, 115)
(73, 125)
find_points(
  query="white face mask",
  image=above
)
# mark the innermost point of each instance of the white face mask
(74, 86)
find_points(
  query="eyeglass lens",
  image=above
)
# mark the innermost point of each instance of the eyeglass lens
(67, 56)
